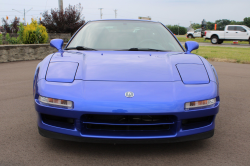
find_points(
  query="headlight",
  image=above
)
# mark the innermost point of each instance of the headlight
(202, 103)
(61, 72)
(193, 73)
(56, 102)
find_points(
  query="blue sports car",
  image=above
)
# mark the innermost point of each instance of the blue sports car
(125, 81)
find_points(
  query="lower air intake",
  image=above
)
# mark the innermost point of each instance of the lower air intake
(196, 122)
(128, 125)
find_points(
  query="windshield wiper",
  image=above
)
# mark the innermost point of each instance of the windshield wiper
(143, 49)
(79, 48)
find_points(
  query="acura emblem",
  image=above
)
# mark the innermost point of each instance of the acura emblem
(129, 94)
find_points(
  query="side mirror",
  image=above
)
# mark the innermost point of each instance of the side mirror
(243, 30)
(57, 43)
(190, 46)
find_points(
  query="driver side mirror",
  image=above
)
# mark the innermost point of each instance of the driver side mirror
(190, 46)
(243, 30)
(57, 43)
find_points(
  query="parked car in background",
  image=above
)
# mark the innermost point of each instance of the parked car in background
(194, 34)
(230, 33)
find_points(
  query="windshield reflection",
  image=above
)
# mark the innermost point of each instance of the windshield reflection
(118, 35)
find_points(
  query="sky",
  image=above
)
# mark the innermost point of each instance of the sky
(169, 12)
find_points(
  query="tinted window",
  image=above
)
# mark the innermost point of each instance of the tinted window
(239, 28)
(231, 28)
(247, 28)
(118, 35)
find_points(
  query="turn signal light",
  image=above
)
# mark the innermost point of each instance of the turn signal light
(56, 102)
(201, 103)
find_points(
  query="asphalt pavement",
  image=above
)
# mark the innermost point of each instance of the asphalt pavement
(20, 143)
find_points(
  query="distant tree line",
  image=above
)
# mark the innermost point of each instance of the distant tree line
(222, 23)
(174, 29)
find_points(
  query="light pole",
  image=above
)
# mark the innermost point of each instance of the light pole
(178, 28)
(60, 3)
(100, 12)
(23, 14)
(115, 13)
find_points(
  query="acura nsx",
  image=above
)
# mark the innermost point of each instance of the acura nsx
(125, 81)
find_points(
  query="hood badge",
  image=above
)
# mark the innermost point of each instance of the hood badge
(129, 94)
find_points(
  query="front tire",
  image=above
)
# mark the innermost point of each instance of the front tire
(220, 41)
(190, 36)
(214, 40)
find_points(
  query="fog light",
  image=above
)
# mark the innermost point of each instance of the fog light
(56, 102)
(202, 103)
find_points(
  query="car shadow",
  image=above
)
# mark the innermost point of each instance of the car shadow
(129, 150)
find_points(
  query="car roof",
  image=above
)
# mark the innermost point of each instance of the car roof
(123, 20)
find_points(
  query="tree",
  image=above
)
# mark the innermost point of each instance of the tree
(210, 25)
(33, 33)
(6, 25)
(233, 22)
(222, 23)
(11, 28)
(66, 21)
(15, 24)
(246, 21)
(196, 26)
(1, 29)
(174, 29)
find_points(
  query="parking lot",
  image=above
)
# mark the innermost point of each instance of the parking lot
(20, 143)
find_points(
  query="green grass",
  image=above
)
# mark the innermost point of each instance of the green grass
(201, 40)
(224, 54)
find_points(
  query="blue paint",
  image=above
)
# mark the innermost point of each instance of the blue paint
(193, 73)
(61, 71)
(96, 84)
(190, 46)
(57, 43)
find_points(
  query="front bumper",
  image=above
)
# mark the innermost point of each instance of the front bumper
(77, 132)
(94, 98)
(54, 135)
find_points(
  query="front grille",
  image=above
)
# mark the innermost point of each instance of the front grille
(128, 125)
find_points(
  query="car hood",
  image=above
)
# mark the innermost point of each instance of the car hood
(126, 65)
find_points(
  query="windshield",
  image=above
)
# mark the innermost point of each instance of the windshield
(247, 28)
(124, 35)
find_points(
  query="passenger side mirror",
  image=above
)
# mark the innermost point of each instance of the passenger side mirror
(57, 43)
(190, 46)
